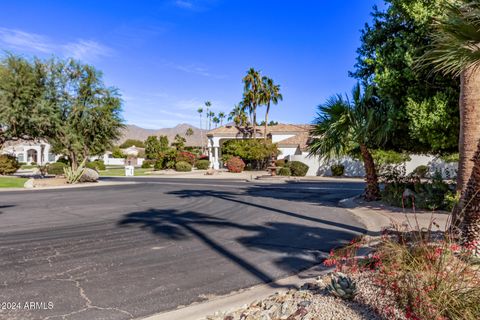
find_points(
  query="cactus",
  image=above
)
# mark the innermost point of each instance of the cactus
(72, 175)
(342, 286)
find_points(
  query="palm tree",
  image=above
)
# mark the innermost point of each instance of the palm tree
(238, 116)
(341, 125)
(222, 116)
(208, 104)
(456, 51)
(210, 116)
(252, 94)
(200, 112)
(216, 120)
(271, 94)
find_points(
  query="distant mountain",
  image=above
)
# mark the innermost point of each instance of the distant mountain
(138, 133)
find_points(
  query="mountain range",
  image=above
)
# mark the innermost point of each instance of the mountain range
(135, 132)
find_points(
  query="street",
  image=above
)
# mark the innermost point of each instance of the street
(129, 251)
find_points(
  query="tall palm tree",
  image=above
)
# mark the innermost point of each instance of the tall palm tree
(200, 112)
(238, 116)
(252, 94)
(221, 116)
(270, 94)
(341, 125)
(456, 51)
(216, 121)
(208, 104)
(210, 116)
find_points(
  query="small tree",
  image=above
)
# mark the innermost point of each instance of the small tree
(189, 132)
(179, 142)
(152, 147)
(132, 142)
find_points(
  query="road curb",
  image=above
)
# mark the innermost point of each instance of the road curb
(69, 186)
(374, 222)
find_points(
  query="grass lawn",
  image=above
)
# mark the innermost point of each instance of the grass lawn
(12, 182)
(25, 166)
(117, 172)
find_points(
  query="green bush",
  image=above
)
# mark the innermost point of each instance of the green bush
(96, 165)
(235, 164)
(56, 168)
(253, 151)
(280, 163)
(454, 157)
(202, 164)
(8, 164)
(183, 166)
(284, 172)
(337, 170)
(298, 169)
(420, 171)
(63, 160)
(158, 165)
(146, 164)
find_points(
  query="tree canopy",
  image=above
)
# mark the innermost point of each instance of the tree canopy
(132, 142)
(388, 58)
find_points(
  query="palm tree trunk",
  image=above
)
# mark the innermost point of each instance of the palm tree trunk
(471, 209)
(372, 191)
(266, 121)
(255, 122)
(469, 124)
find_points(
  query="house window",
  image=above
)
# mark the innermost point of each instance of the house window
(51, 157)
(20, 157)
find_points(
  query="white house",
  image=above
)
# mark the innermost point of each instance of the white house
(30, 152)
(292, 142)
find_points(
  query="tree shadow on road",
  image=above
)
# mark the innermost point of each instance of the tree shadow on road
(297, 246)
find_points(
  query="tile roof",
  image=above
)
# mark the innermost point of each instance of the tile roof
(282, 127)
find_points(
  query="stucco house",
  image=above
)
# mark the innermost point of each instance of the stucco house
(30, 152)
(291, 140)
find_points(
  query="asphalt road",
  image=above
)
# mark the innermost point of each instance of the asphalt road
(129, 251)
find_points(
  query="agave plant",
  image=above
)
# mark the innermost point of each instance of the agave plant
(73, 175)
(342, 286)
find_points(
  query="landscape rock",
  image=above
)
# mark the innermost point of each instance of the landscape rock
(29, 184)
(210, 172)
(89, 175)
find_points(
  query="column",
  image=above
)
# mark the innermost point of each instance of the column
(216, 163)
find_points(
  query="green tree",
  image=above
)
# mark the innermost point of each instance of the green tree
(391, 44)
(118, 153)
(179, 142)
(87, 113)
(216, 121)
(342, 125)
(455, 52)
(164, 144)
(270, 94)
(238, 116)
(255, 152)
(152, 147)
(221, 116)
(189, 132)
(25, 110)
(132, 142)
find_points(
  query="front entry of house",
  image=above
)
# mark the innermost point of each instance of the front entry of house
(32, 156)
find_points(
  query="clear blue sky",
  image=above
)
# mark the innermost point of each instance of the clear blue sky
(168, 57)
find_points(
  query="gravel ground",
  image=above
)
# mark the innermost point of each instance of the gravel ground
(313, 302)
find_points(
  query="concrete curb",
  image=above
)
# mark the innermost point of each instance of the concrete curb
(237, 299)
(72, 186)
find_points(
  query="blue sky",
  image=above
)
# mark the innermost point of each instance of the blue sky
(168, 57)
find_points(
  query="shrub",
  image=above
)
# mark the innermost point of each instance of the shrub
(96, 165)
(254, 151)
(158, 165)
(63, 160)
(186, 157)
(132, 142)
(146, 164)
(202, 164)
(56, 168)
(202, 157)
(284, 172)
(183, 166)
(235, 164)
(280, 163)
(298, 169)
(337, 170)
(420, 171)
(8, 164)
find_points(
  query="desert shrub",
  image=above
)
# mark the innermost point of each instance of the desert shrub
(202, 164)
(235, 164)
(56, 168)
(425, 195)
(284, 172)
(183, 166)
(280, 163)
(8, 164)
(421, 171)
(420, 273)
(63, 160)
(96, 165)
(337, 170)
(146, 164)
(186, 157)
(298, 169)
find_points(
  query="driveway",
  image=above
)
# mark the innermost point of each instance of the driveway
(129, 251)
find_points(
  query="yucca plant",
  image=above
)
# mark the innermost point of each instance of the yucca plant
(73, 175)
